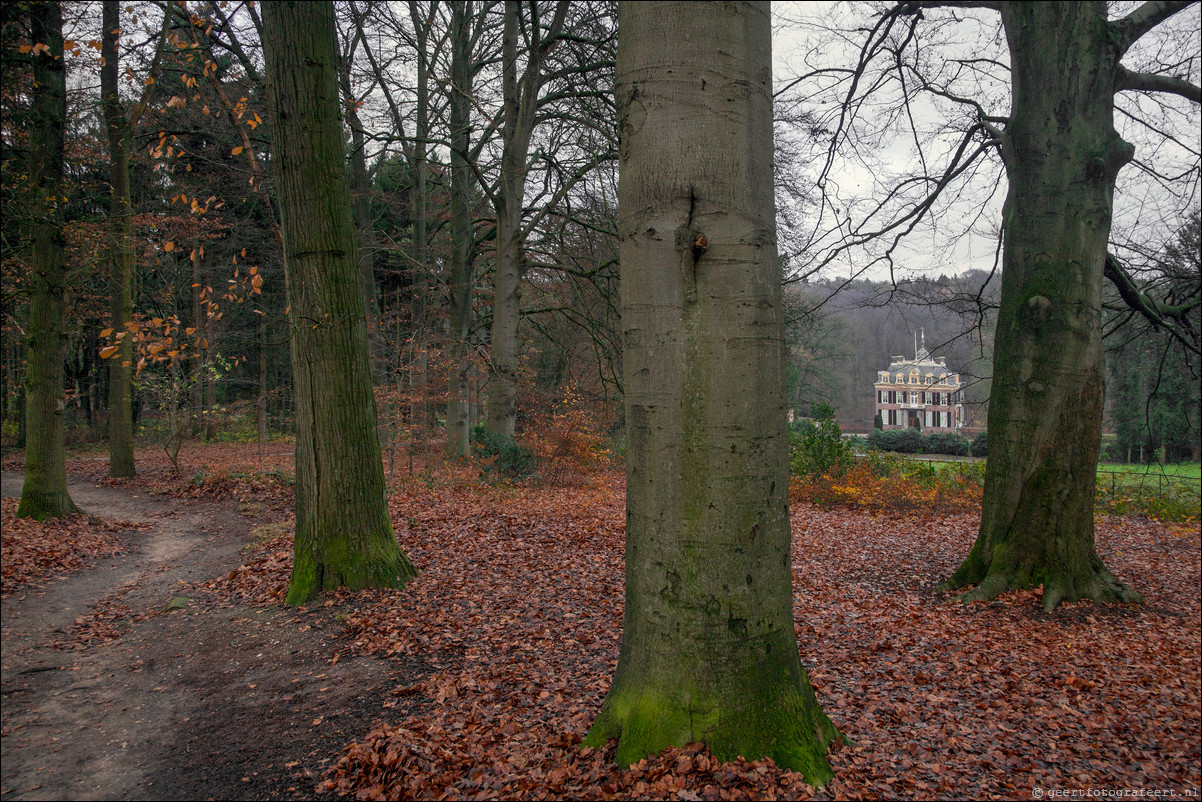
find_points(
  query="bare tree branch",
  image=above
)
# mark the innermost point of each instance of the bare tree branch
(1148, 82)
(1143, 19)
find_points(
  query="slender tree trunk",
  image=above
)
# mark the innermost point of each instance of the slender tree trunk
(361, 197)
(520, 101)
(1045, 414)
(507, 286)
(708, 645)
(419, 408)
(343, 532)
(197, 367)
(458, 415)
(210, 404)
(44, 494)
(121, 252)
(261, 402)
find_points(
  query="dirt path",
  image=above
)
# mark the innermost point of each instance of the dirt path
(204, 702)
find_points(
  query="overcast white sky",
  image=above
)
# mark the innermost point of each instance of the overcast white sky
(964, 235)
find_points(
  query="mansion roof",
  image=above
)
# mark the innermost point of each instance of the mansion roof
(923, 362)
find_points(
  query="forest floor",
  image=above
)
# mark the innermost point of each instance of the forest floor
(111, 691)
(168, 667)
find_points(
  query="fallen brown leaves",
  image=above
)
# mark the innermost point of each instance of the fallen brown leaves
(32, 552)
(516, 620)
(207, 470)
(996, 699)
(518, 612)
(263, 579)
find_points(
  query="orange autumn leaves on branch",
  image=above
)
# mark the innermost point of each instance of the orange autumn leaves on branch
(166, 340)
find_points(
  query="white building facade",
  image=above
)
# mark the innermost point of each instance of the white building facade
(920, 393)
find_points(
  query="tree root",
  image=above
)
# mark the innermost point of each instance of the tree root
(1103, 588)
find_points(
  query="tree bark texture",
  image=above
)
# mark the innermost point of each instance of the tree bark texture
(458, 397)
(1045, 416)
(708, 645)
(344, 536)
(121, 252)
(44, 494)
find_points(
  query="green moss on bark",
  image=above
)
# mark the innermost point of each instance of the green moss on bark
(783, 722)
(315, 571)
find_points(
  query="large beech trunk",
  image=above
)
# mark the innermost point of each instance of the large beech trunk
(44, 493)
(1045, 416)
(344, 536)
(708, 645)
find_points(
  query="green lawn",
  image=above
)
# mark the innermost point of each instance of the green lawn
(1189, 470)
(1165, 492)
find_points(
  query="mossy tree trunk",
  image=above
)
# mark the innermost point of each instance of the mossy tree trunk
(708, 645)
(1062, 156)
(343, 533)
(44, 494)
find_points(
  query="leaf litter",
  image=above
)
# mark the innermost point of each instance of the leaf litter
(517, 617)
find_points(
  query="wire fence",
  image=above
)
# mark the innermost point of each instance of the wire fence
(1155, 477)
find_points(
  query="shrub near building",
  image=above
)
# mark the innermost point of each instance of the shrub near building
(912, 441)
(817, 447)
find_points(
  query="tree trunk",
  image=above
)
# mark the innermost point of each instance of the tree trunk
(361, 206)
(198, 366)
(343, 532)
(458, 415)
(1045, 415)
(261, 395)
(507, 287)
(708, 645)
(121, 252)
(520, 101)
(419, 408)
(44, 494)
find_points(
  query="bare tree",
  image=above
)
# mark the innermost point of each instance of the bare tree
(533, 32)
(1063, 73)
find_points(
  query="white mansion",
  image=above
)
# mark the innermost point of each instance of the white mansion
(920, 393)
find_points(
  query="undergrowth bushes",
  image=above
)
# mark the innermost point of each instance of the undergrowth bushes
(558, 448)
(817, 447)
(502, 456)
(892, 483)
(1175, 501)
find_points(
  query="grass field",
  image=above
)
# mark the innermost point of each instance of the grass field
(1184, 470)
(1161, 492)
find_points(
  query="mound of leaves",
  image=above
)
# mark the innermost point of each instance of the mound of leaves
(263, 578)
(33, 552)
(207, 471)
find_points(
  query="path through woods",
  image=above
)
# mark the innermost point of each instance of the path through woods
(207, 701)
